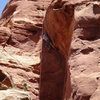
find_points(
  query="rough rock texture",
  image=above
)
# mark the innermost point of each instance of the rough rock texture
(85, 54)
(5, 81)
(20, 48)
(14, 94)
(57, 34)
(20, 44)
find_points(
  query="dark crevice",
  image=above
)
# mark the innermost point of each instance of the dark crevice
(73, 50)
(87, 50)
(90, 33)
(74, 94)
(29, 30)
(84, 98)
(69, 9)
(25, 98)
(58, 5)
(96, 8)
(2, 76)
(40, 9)
(98, 78)
(39, 25)
(10, 41)
(32, 80)
(89, 39)
(33, 32)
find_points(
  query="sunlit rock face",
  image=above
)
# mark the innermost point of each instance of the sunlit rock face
(84, 60)
(21, 48)
(60, 19)
(20, 44)
(85, 54)
(57, 33)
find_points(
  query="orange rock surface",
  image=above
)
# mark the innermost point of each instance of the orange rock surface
(22, 50)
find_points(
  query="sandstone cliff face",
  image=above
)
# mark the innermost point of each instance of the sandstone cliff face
(85, 52)
(21, 47)
(20, 44)
(85, 56)
(57, 34)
